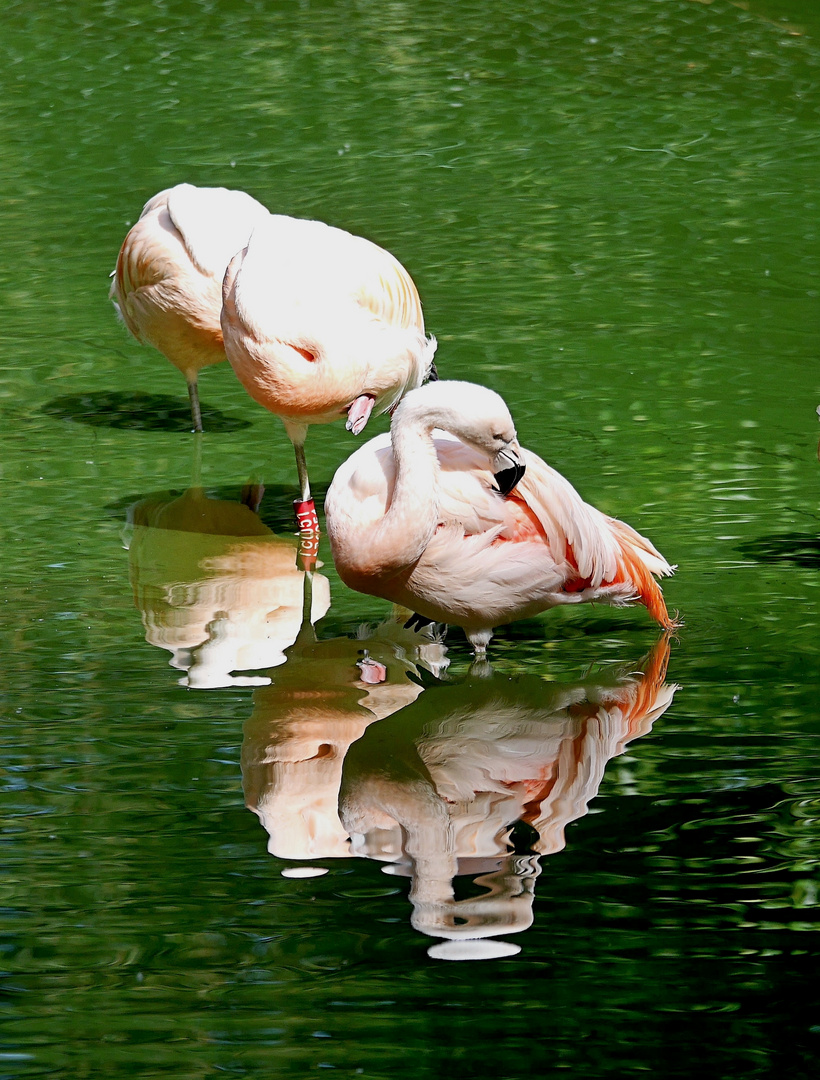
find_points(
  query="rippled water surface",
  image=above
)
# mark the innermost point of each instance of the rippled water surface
(233, 842)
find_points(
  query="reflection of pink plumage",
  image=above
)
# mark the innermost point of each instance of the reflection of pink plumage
(168, 281)
(435, 792)
(319, 324)
(447, 522)
(321, 702)
(217, 588)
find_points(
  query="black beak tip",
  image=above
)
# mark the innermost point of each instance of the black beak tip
(508, 478)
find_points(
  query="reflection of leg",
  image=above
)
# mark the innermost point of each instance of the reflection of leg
(196, 461)
(193, 394)
(506, 907)
(252, 494)
(306, 633)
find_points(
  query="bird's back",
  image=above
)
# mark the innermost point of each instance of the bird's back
(314, 317)
(167, 282)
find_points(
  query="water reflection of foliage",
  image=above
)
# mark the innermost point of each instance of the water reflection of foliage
(800, 549)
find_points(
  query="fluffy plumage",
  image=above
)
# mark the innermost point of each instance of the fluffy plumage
(168, 281)
(320, 324)
(416, 517)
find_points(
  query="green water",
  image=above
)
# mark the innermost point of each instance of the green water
(611, 213)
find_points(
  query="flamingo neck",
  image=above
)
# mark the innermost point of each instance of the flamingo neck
(410, 521)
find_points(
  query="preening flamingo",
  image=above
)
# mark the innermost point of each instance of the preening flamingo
(448, 516)
(168, 282)
(319, 324)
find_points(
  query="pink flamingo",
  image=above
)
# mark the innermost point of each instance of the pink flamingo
(448, 516)
(319, 324)
(168, 282)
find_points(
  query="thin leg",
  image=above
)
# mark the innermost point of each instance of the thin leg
(196, 415)
(301, 469)
(304, 506)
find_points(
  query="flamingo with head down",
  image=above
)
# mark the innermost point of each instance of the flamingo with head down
(168, 281)
(320, 324)
(450, 517)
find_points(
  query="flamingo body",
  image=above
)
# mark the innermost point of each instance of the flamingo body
(168, 280)
(319, 324)
(416, 517)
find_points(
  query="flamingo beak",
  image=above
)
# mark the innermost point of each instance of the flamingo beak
(508, 469)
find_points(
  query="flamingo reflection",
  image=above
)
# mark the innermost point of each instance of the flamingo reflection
(477, 779)
(217, 588)
(302, 726)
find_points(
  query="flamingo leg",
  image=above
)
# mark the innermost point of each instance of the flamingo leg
(301, 469)
(193, 394)
(305, 508)
(359, 413)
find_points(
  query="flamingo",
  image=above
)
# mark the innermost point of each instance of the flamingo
(319, 324)
(167, 284)
(450, 517)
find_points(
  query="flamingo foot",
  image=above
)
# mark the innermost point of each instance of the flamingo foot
(308, 522)
(359, 413)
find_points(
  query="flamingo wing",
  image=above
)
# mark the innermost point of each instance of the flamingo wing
(387, 290)
(597, 551)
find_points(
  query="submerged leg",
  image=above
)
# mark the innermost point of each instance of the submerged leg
(193, 395)
(359, 413)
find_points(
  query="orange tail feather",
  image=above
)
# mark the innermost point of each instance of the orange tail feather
(634, 569)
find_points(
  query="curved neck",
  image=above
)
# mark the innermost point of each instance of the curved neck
(399, 539)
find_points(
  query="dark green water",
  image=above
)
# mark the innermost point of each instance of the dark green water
(611, 213)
